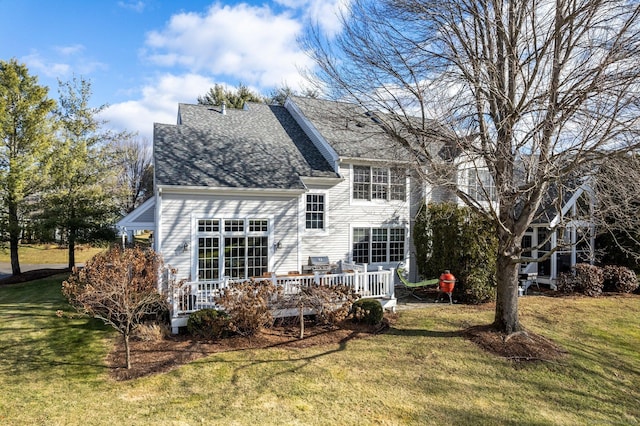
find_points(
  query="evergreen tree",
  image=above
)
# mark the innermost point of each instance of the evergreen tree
(232, 98)
(77, 201)
(25, 139)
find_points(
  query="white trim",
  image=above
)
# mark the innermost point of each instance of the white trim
(378, 201)
(193, 261)
(312, 132)
(369, 226)
(321, 181)
(303, 213)
(263, 192)
(568, 205)
(129, 220)
(377, 162)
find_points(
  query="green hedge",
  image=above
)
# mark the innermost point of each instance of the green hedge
(447, 236)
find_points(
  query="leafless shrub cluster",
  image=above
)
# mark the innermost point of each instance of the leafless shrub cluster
(620, 279)
(592, 280)
(120, 287)
(248, 305)
(330, 304)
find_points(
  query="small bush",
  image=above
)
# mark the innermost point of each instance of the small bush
(480, 287)
(368, 311)
(208, 324)
(590, 279)
(620, 279)
(151, 332)
(247, 303)
(566, 283)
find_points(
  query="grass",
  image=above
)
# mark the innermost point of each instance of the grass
(420, 372)
(48, 254)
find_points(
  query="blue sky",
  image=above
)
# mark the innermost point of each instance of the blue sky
(143, 57)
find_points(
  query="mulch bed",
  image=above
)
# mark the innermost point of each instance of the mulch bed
(151, 357)
(520, 346)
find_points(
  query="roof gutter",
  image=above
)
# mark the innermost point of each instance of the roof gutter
(262, 192)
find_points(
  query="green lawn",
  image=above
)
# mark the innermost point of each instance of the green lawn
(30, 254)
(420, 372)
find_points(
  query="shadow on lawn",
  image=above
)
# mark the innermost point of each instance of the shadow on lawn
(415, 332)
(36, 274)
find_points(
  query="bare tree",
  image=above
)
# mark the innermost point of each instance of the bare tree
(118, 287)
(617, 190)
(135, 178)
(533, 91)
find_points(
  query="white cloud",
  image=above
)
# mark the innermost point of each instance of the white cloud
(69, 50)
(226, 44)
(50, 69)
(240, 43)
(158, 103)
(325, 13)
(136, 6)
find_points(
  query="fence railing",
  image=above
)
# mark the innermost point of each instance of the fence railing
(192, 296)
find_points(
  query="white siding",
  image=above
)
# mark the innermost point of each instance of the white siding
(344, 214)
(180, 211)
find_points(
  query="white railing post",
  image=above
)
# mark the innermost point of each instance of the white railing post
(174, 301)
(316, 277)
(392, 284)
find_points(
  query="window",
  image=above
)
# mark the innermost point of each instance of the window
(480, 185)
(239, 251)
(398, 185)
(378, 245)
(208, 258)
(315, 211)
(378, 183)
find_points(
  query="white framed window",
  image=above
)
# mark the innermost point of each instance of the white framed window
(480, 185)
(379, 183)
(315, 211)
(238, 248)
(378, 245)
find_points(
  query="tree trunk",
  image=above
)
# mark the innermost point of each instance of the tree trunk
(14, 237)
(506, 319)
(127, 350)
(302, 322)
(72, 248)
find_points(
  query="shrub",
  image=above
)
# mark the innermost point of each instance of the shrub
(589, 279)
(447, 236)
(566, 283)
(336, 305)
(209, 324)
(620, 279)
(247, 304)
(368, 311)
(151, 332)
(120, 287)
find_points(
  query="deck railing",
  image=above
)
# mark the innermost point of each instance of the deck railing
(192, 296)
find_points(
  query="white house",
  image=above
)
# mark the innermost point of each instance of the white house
(259, 191)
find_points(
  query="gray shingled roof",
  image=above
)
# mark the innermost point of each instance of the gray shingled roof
(260, 147)
(350, 130)
(354, 132)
